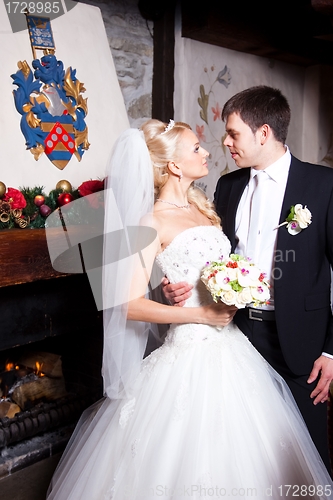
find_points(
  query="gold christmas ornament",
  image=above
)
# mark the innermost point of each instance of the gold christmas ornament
(4, 211)
(23, 223)
(17, 213)
(64, 185)
(4, 217)
(3, 189)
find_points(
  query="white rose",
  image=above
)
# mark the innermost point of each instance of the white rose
(204, 275)
(229, 297)
(239, 305)
(215, 288)
(302, 215)
(244, 297)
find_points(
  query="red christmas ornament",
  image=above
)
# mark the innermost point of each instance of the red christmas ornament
(39, 200)
(44, 210)
(65, 198)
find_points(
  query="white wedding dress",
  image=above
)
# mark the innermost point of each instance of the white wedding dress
(209, 418)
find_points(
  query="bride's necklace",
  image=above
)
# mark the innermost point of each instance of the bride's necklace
(174, 204)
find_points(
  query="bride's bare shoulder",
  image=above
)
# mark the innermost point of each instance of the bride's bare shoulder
(153, 222)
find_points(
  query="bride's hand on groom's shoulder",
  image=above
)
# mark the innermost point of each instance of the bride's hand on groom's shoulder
(176, 293)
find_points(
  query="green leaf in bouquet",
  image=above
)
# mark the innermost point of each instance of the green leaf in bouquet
(235, 286)
(236, 257)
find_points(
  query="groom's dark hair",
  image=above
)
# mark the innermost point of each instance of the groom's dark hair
(259, 105)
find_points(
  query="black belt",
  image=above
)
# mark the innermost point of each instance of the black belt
(260, 314)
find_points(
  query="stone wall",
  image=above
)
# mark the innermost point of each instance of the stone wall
(131, 42)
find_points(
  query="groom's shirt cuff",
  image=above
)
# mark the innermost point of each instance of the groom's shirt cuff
(327, 355)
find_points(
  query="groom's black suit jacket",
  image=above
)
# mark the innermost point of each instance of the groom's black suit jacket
(302, 294)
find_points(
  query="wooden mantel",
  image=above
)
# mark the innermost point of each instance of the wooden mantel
(43, 306)
(24, 257)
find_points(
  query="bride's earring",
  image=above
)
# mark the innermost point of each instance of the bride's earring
(180, 177)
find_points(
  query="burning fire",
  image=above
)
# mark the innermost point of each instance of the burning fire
(10, 366)
(38, 369)
(16, 372)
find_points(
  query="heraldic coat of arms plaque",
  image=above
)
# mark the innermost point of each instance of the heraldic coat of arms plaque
(50, 101)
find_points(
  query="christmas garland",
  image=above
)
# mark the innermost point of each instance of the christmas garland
(29, 207)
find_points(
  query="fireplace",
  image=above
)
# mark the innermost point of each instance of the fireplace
(52, 317)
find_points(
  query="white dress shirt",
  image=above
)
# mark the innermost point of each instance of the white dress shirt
(274, 189)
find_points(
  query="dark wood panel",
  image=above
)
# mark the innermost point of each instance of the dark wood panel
(38, 310)
(164, 64)
(24, 257)
(24, 253)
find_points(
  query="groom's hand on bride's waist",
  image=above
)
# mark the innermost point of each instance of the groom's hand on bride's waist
(176, 293)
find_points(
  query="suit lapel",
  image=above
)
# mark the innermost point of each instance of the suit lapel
(296, 185)
(294, 188)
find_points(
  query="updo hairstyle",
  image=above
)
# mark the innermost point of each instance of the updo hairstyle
(165, 147)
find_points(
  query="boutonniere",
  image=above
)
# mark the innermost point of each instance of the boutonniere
(298, 219)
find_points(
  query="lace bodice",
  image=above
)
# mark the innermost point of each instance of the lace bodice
(184, 258)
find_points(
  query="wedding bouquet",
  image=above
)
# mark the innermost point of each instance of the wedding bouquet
(236, 281)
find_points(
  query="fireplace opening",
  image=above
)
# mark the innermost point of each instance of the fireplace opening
(29, 379)
(50, 370)
(42, 389)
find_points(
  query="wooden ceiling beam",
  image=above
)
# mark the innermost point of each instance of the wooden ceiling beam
(292, 32)
(323, 6)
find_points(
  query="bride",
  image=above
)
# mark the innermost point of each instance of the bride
(204, 415)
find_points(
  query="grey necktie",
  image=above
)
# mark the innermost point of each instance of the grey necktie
(256, 208)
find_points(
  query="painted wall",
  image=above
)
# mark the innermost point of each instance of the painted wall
(206, 76)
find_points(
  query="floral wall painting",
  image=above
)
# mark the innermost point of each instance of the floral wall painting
(206, 76)
(210, 109)
(209, 127)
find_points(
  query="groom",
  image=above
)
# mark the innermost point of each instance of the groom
(294, 332)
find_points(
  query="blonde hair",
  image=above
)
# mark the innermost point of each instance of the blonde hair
(166, 147)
